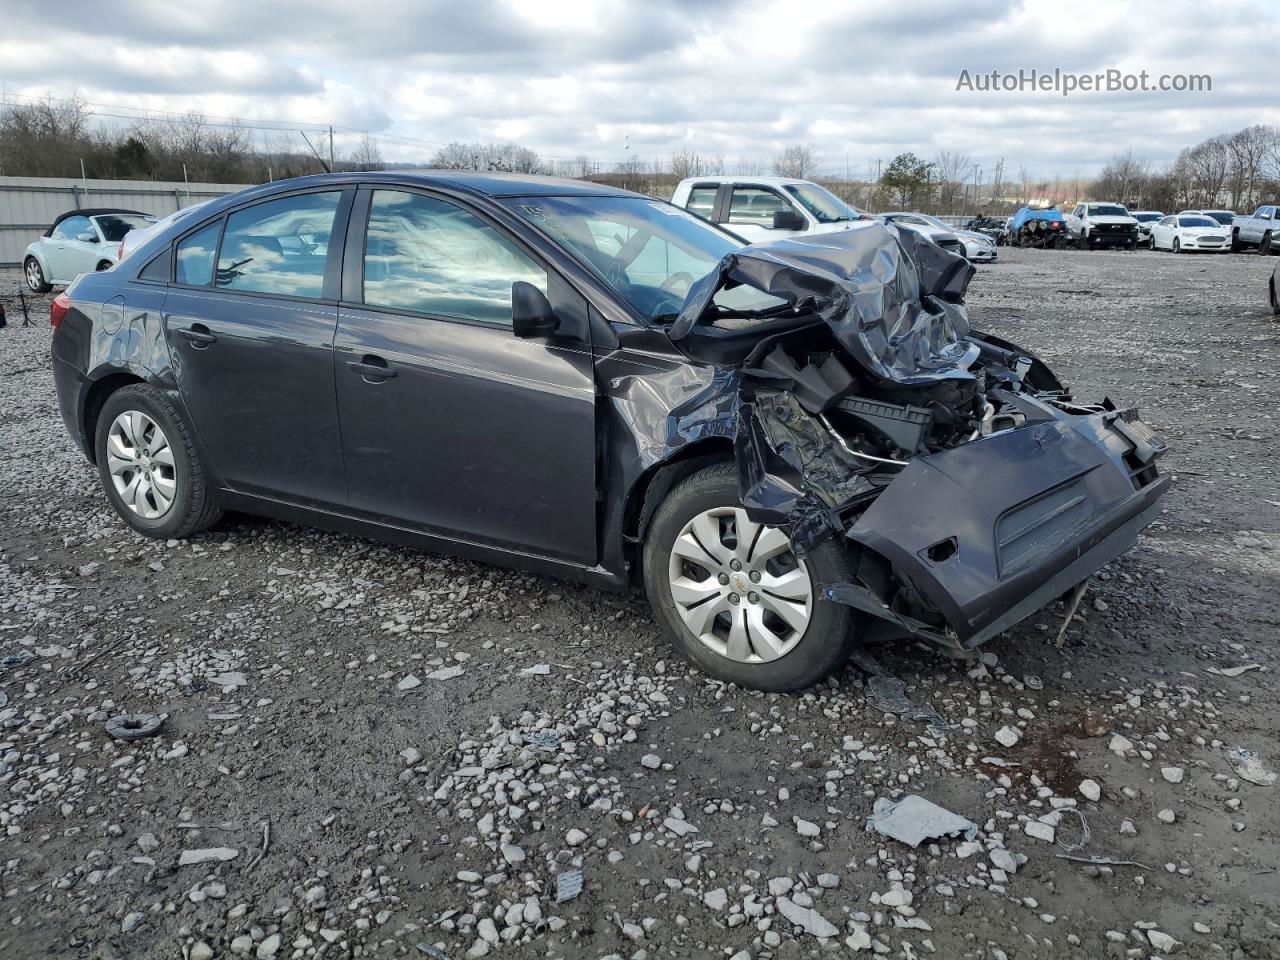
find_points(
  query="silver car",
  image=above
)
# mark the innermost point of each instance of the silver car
(978, 247)
(79, 241)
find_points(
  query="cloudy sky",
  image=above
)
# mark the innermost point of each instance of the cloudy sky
(613, 78)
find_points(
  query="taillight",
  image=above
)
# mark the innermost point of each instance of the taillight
(1056, 225)
(58, 309)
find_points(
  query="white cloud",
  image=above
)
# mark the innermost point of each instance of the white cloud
(740, 79)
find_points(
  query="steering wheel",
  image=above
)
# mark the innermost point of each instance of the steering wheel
(668, 285)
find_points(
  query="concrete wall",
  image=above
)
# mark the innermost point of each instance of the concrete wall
(29, 204)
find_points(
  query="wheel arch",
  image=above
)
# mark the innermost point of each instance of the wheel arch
(652, 486)
(95, 399)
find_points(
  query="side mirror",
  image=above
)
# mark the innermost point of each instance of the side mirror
(788, 219)
(531, 313)
(87, 237)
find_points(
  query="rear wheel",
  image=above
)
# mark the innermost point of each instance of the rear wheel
(736, 598)
(33, 273)
(149, 466)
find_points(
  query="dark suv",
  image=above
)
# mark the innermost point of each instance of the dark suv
(792, 446)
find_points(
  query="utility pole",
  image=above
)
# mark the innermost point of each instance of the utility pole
(331, 148)
(977, 190)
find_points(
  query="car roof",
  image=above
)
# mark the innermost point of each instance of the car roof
(483, 182)
(92, 212)
(726, 178)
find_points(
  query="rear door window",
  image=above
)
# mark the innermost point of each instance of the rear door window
(196, 253)
(702, 200)
(279, 246)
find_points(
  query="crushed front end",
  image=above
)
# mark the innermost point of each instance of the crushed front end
(972, 487)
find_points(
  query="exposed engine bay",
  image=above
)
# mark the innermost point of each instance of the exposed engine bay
(972, 486)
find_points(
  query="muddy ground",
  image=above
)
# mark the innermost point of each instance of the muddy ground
(402, 755)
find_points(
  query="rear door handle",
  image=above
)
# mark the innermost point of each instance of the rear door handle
(372, 369)
(199, 335)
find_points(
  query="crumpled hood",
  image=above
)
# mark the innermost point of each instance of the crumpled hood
(894, 299)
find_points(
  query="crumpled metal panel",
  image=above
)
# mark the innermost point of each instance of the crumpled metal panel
(893, 298)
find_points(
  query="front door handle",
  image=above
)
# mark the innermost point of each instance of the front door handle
(372, 369)
(199, 335)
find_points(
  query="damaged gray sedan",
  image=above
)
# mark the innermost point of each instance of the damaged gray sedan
(795, 447)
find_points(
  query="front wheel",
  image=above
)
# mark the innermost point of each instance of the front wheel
(33, 273)
(736, 598)
(1236, 245)
(1275, 301)
(1177, 246)
(149, 466)
(104, 265)
(1264, 247)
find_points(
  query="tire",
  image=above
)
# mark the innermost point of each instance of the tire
(104, 265)
(806, 656)
(1236, 245)
(1275, 301)
(34, 275)
(1131, 245)
(1177, 246)
(1264, 247)
(179, 477)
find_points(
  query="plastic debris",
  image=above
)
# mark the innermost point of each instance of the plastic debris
(1248, 767)
(1102, 861)
(432, 951)
(889, 695)
(19, 659)
(568, 884)
(543, 739)
(913, 819)
(207, 855)
(134, 726)
(1234, 671)
(1032, 682)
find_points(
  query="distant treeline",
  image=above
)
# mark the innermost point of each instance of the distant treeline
(52, 137)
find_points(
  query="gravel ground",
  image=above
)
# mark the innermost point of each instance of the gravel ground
(370, 751)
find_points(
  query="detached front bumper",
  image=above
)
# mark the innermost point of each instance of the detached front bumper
(989, 532)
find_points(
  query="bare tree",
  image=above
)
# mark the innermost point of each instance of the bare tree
(1123, 179)
(686, 163)
(748, 167)
(366, 155)
(951, 170)
(799, 161)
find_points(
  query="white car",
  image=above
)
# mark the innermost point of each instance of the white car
(137, 237)
(79, 241)
(1145, 220)
(1103, 225)
(1184, 233)
(978, 247)
(1224, 217)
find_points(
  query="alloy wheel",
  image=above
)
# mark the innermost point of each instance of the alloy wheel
(739, 587)
(141, 465)
(34, 279)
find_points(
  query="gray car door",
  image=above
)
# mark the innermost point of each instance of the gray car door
(450, 422)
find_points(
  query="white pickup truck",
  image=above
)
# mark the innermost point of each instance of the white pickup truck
(1103, 225)
(1256, 230)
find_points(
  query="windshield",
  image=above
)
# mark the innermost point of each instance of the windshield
(1108, 210)
(650, 252)
(115, 225)
(1197, 222)
(1147, 217)
(1223, 217)
(825, 206)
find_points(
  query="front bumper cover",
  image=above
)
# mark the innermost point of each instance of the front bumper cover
(989, 532)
